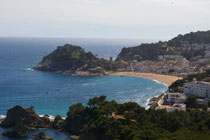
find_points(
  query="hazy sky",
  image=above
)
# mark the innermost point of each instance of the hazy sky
(103, 18)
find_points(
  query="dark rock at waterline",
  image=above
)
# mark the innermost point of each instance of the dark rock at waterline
(41, 136)
(20, 120)
(26, 117)
(18, 131)
(58, 123)
(18, 114)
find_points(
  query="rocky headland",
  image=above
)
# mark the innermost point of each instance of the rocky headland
(70, 59)
(20, 120)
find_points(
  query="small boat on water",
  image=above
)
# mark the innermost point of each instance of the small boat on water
(57, 89)
(48, 91)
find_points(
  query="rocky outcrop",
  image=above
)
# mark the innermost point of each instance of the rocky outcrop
(21, 120)
(74, 60)
(41, 136)
(18, 131)
(25, 116)
(58, 123)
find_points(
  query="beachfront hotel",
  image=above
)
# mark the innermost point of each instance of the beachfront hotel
(197, 88)
(174, 97)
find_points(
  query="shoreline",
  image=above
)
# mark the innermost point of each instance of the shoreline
(166, 80)
(159, 78)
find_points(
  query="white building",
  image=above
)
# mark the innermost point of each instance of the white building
(207, 53)
(197, 88)
(180, 107)
(170, 57)
(174, 97)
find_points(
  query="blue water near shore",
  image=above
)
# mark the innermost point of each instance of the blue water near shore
(21, 86)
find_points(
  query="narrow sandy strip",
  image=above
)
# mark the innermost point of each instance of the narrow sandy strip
(165, 79)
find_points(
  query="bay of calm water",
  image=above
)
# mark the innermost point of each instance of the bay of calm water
(21, 86)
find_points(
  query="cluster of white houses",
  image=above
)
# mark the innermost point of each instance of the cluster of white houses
(198, 88)
(176, 100)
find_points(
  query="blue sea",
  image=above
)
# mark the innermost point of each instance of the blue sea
(19, 85)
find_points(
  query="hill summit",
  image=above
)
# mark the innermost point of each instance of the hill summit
(70, 59)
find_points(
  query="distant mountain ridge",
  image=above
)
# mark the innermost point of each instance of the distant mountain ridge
(171, 47)
(200, 37)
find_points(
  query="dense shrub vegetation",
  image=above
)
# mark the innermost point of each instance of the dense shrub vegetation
(135, 123)
(144, 51)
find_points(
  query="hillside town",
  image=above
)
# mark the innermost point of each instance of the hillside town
(196, 90)
(173, 64)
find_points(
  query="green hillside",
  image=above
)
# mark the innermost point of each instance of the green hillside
(151, 51)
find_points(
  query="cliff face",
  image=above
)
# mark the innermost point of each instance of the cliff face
(71, 59)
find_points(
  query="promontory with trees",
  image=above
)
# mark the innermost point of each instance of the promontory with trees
(70, 59)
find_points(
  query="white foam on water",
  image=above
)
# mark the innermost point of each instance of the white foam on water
(147, 102)
(30, 69)
(2, 117)
(88, 84)
(85, 84)
(160, 82)
(51, 117)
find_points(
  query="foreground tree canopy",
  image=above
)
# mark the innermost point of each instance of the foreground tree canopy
(107, 120)
(102, 119)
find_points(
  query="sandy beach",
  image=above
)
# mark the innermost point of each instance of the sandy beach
(165, 79)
